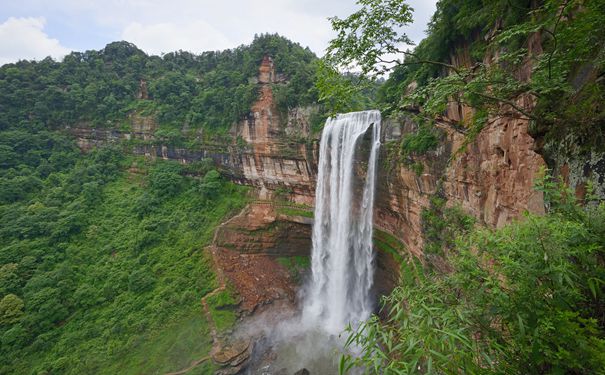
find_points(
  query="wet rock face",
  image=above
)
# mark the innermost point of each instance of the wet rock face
(233, 357)
(491, 178)
(246, 250)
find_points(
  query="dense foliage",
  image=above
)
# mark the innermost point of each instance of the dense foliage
(524, 299)
(527, 298)
(100, 88)
(101, 270)
(101, 261)
(486, 55)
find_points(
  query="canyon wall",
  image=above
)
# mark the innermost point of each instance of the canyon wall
(491, 178)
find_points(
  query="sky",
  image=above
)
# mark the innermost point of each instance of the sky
(34, 29)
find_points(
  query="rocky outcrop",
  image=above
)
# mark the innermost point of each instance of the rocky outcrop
(246, 249)
(491, 177)
(577, 167)
(233, 357)
(275, 157)
(88, 138)
(262, 229)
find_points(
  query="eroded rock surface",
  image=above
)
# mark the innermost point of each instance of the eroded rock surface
(492, 178)
(247, 249)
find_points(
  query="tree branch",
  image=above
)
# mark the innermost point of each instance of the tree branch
(554, 36)
(506, 101)
(419, 60)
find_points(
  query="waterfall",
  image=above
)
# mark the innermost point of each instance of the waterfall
(342, 257)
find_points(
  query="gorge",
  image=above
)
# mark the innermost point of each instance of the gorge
(212, 213)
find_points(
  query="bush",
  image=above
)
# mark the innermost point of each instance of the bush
(165, 179)
(423, 140)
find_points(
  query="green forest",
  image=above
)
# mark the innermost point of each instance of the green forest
(102, 262)
(100, 88)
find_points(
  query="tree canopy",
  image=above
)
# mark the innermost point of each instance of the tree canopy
(100, 88)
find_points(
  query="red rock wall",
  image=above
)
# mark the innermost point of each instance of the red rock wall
(272, 158)
(491, 179)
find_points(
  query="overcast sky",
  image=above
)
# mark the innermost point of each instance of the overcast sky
(34, 29)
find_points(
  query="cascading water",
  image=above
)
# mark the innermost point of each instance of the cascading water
(342, 258)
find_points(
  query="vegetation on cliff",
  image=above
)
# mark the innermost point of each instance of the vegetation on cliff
(180, 89)
(527, 298)
(101, 262)
(484, 55)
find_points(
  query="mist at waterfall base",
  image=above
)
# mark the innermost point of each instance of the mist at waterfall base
(338, 291)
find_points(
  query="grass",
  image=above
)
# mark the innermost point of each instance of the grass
(295, 264)
(293, 211)
(222, 309)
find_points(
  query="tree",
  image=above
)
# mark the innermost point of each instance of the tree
(10, 282)
(370, 39)
(140, 281)
(11, 309)
(165, 179)
(368, 35)
(211, 185)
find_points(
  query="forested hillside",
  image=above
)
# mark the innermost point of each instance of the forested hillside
(101, 254)
(489, 196)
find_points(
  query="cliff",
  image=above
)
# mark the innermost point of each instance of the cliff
(491, 178)
(272, 159)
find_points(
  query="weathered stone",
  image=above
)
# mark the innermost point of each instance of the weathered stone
(261, 230)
